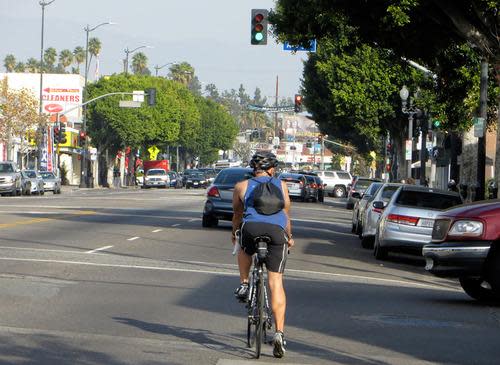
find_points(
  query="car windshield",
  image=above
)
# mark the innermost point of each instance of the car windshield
(388, 192)
(427, 199)
(231, 177)
(155, 172)
(362, 184)
(6, 167)
(310, 179)
(373, 188)
(47, 175)
(30, 174)
(344, 175)
(197, 175)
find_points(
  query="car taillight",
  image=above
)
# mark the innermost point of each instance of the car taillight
(402, 219)
(213, 192)
(301, 182)
(314, 186)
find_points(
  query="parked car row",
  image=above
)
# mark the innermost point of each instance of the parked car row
(456, 240)
(26, 182)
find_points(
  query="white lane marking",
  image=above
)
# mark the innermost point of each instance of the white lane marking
(40, 249)
(364, 279)
(157, 230)
(193, 220)
(176, 225)
(99, 249)
(133, 238)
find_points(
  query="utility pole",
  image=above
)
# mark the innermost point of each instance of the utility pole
(481, 143)
(276, 127)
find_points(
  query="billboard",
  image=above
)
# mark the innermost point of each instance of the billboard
(60, 92)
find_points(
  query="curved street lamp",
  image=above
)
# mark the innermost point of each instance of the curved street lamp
(127, 52)
(160, 67)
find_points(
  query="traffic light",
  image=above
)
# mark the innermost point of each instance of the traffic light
(298, 103)
(388, 149)
(259, 26)
(56, 134)
(62, 133)
(436, 123)
(82, 136)
(151, 94)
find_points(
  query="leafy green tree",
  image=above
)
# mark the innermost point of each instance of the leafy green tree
(213, 93)
(9, 63)
(140, 64)
(79, 56)
(218, 131)
(49, 58)
(32, 65)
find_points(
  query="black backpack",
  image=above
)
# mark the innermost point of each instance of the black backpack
(268, 198)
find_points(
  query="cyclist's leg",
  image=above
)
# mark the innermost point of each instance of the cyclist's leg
(244, 260)
(278, 299)
(244, 264)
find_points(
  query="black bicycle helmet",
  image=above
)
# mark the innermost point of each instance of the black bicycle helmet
(263, 161)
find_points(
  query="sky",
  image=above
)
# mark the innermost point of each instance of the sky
(212, 35)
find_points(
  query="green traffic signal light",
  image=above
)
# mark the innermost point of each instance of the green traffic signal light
(259, 24)
(436, 123)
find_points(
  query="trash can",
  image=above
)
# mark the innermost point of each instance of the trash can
(492, 189)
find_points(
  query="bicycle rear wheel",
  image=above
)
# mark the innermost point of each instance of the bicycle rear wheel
(261, 320)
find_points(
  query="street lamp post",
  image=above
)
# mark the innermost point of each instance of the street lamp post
(127, 52)
(43, 4)
(412, 111)
(157, 68)
(84, 183)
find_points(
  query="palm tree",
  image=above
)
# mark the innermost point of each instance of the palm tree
(9, 62)
(182, 72)
(32, 65)
(94, 49)
(20, 67)
(65, 58)
(139, 63)
(79, 56)
(49, 57)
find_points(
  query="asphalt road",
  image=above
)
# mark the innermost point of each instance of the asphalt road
(131, 277)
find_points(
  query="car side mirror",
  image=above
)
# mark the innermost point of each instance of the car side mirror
(356, 195)
(378, 205)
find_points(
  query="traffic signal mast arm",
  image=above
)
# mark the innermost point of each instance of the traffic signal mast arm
(338, 144)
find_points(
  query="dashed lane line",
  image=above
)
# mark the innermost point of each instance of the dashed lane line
(133, 238)
(99, 249)
(157, 230)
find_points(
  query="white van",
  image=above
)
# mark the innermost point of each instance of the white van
(336, 182)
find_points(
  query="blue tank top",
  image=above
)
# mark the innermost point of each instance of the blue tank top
(251, 215)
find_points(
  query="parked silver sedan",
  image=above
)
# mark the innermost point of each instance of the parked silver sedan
(368, 221)
(51, 182)
(359, 207)
(408, 218)
(36, 181)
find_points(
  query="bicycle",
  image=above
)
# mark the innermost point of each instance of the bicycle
(259, 313)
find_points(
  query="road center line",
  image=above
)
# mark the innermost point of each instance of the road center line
(157, 230)
(176, 225)
(99, 249)
(133, 238)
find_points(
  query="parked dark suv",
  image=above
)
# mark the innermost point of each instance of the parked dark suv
(219, 204)
(466, 245)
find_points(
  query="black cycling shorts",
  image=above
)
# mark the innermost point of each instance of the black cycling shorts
(277, 249)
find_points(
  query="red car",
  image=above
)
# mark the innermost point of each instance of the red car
(466, 245)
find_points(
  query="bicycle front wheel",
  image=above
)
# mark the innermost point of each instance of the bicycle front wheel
(261, 316)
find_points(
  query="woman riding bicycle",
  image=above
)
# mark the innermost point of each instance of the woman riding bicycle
(261, 208)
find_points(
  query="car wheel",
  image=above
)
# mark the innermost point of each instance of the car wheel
(209, 221)
(339, 192)
(379, 252)
(473, 288)
(367, 242)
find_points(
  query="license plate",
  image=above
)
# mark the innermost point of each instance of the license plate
(293, 186)
(429, 223)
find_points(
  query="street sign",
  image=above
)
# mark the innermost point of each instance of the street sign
(408, 150)
(312, 47)
(138, 95)
(129, 104)
(153, 152)
(479, 127)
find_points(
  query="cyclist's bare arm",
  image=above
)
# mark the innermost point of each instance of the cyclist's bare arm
(288, 228)
(238, 207)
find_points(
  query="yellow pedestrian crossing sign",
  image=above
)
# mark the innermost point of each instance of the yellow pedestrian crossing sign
(153, 152)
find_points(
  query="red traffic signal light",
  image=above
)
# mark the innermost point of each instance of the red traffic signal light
(82, 135)
(298, 103)
(259, 24)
